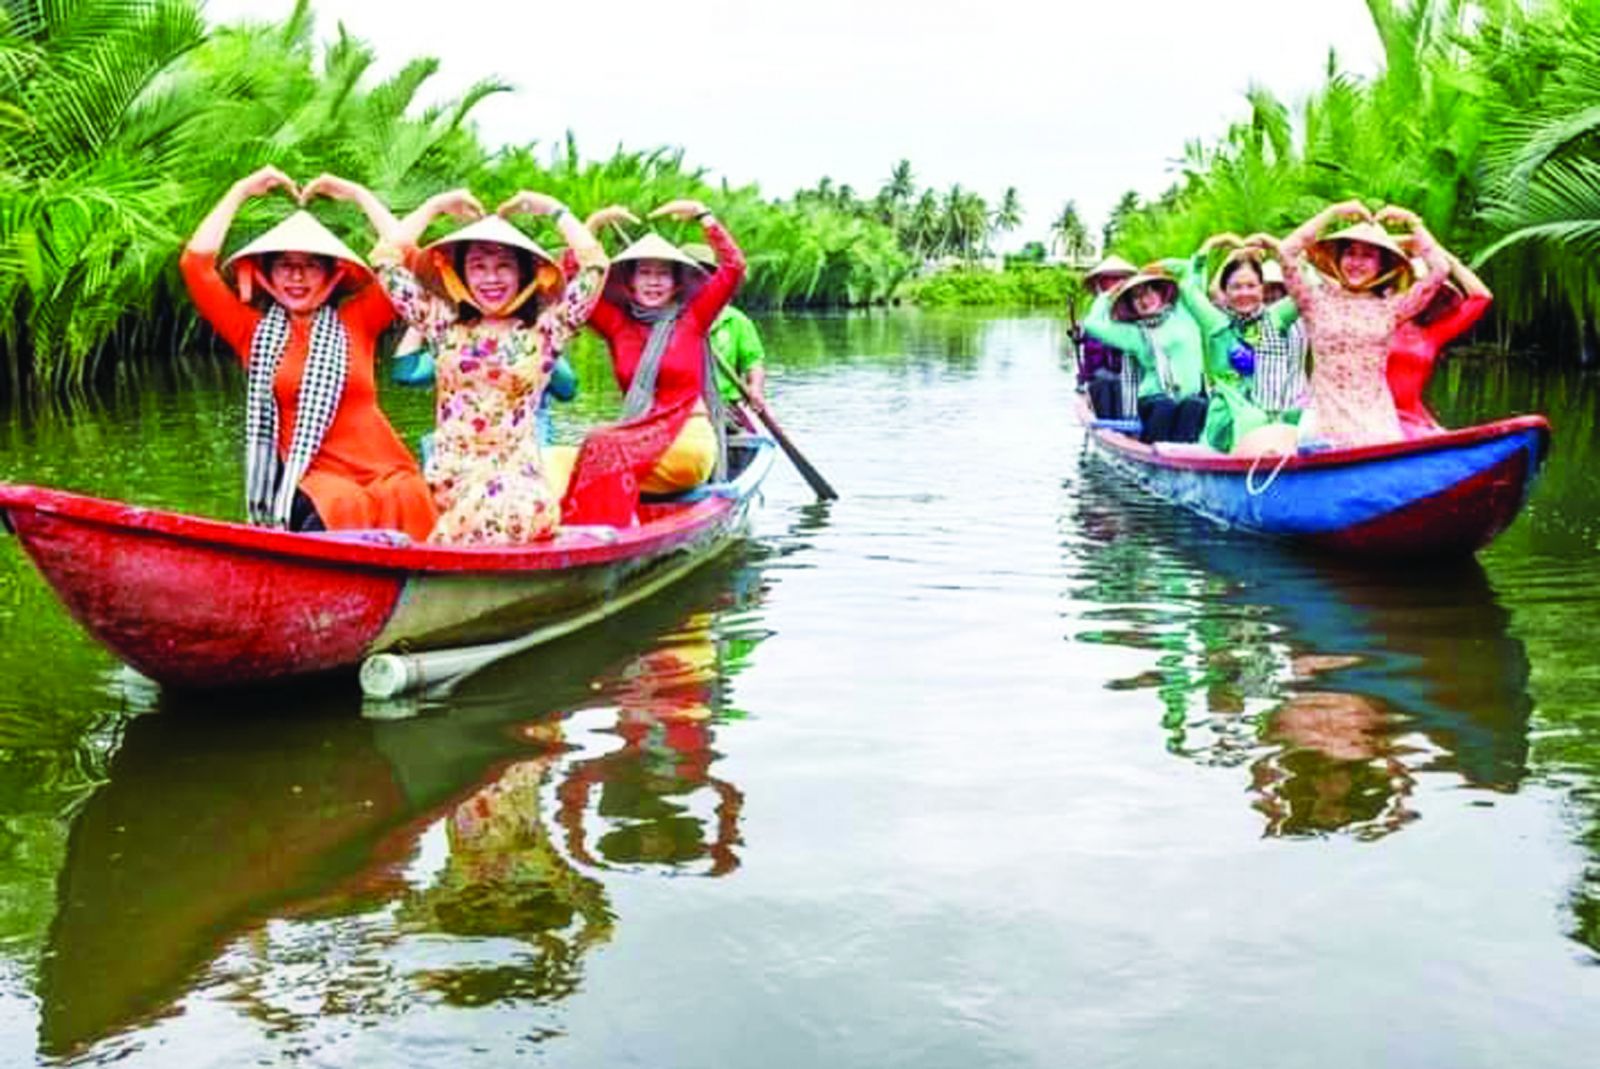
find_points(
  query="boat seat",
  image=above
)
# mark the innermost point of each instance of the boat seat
(1184, 449)
(1121, 426)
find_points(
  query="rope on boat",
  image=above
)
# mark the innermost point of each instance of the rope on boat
(1250, 476)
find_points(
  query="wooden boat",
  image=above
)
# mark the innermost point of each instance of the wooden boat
(197, 603)
(1443, 495)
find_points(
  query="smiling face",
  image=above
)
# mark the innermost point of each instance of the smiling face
(1242, 288)
(492, 275)
(299, 281)
(654, 283)
(1359, 263)
(1148, 299)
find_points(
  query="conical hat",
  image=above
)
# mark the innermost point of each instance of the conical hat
(655, 247)
(1241, 254)
(1122, 308)
(1111, 265)
(1324, 253)
(495, 229)
(701, 253)
(301, 232)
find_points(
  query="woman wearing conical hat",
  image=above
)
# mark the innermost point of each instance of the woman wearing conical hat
(656, 315)
(1351, 319)
(1106, 373)
(304, 322)
(497, 315)
(1250, 371)
(1143, 316)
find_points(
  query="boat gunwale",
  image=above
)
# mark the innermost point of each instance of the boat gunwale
(1125, 445)
(576, 548)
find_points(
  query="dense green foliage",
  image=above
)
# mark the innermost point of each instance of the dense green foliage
(122, 122)
(1019, 286)
(928, 225)
(1485, 120)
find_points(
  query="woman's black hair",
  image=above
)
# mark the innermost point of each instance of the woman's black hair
(265, 261)
(527, 312)
(1231, 268)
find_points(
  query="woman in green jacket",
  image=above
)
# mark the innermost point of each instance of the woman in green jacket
(1144, 316)
(1249, 352)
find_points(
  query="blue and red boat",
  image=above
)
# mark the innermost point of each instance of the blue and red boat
(1446, 494)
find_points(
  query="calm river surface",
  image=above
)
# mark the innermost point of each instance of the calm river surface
(989, 763)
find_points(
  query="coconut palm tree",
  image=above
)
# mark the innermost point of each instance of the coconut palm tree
(1008, 216)
(1069, 236)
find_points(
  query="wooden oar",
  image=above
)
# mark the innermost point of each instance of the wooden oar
(811, 475)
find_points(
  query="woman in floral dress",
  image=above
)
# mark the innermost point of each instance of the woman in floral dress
(506, 313)
(1351, 319)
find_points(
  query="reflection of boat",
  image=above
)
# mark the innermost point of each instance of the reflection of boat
(1337, 685)
(199, 603)
(208, 827)
(1444, 495)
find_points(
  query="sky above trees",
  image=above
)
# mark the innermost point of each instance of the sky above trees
(1063, 101)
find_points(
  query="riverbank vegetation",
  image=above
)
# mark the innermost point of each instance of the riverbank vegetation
(122, 121)
(1485, 119)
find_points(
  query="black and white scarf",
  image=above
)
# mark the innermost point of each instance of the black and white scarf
(270, 484)
(642, 390)
(1279, 376)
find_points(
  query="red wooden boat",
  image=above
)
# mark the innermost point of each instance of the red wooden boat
(1439, 495)
(200, 603)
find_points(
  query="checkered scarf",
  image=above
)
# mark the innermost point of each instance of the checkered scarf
(269, 485)
(1280, 373)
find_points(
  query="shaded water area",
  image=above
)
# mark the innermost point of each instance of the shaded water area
(990, 763)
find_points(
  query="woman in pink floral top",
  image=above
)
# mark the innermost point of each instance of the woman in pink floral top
(1351, 318)
(507, 313)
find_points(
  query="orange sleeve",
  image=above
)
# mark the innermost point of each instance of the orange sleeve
(232, 319)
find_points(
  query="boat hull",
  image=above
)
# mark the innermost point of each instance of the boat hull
(1448, 494)
(195, 603)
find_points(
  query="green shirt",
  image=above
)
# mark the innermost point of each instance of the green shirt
(1178, 336)
(735, 341)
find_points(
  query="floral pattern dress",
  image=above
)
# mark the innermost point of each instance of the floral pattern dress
(487, 472)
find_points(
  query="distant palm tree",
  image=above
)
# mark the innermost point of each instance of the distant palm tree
(1008, 216)
(902, 184)
(1125, 207)
(1068, 234)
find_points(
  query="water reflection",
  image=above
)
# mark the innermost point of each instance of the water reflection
(301, 861)
(1336, 688)
(668, 701)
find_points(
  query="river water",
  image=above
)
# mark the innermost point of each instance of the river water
(989, 763)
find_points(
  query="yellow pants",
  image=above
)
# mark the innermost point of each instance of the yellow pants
(688, 461)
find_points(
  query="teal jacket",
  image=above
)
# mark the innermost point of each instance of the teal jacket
(1178, 335)
(1231, 412)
